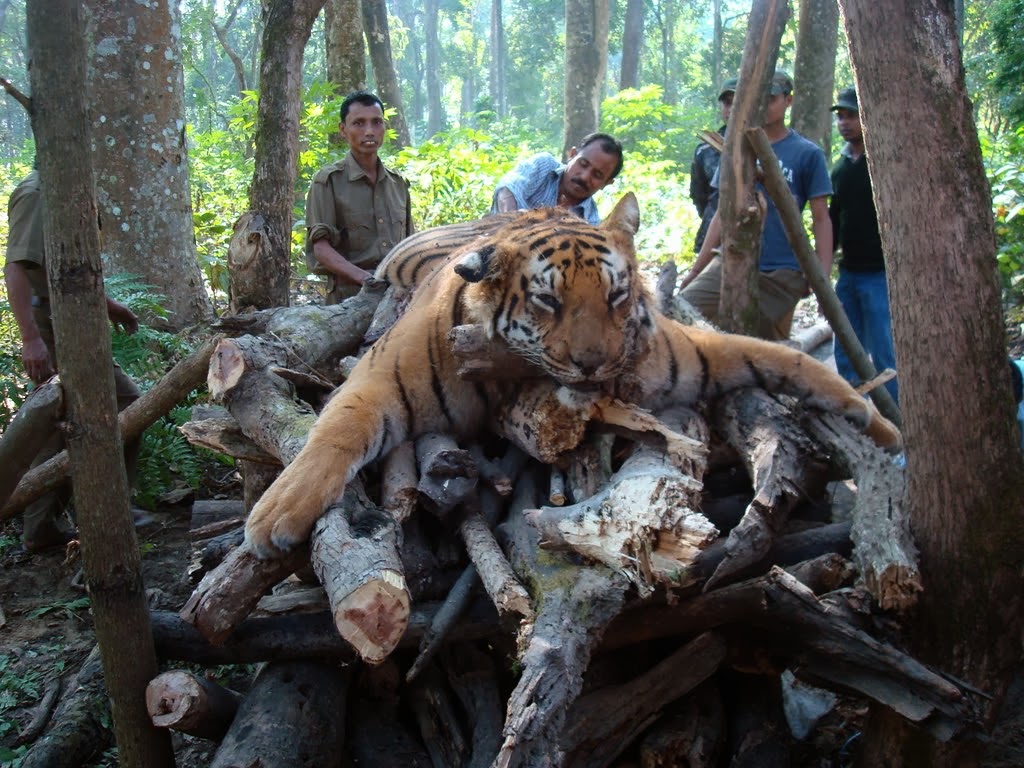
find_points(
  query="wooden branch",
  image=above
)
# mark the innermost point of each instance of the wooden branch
(191, 704)
(510, 598)
(482, 358)
(448, 474)
(399, 478)
(784, 467)
(473, 677)
(294, 712)
(165, 394)
(354, 553)
(884, 548)
(778, 189)
(690, 733)
(603, 723)
(438, 720)
(16, 94)
(32, 426)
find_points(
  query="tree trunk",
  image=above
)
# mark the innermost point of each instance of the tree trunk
(263, 282)
(632, 45)
(497, 59)
(738, 204)
(110, 552)
(435, 109)
(136, 94)
(965, 486)
(814, 71)
(378, 38)
(346, 52)
(586, 59)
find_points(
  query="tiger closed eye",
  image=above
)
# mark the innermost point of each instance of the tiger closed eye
(617, 296)
(547, 301)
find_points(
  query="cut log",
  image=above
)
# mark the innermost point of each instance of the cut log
(36, 420)
(883, 546)
(294, 717)
(603, 723)
(191, 704)
(227, 594)
(354, 552)
(509, 596)
(398, 481)
(482, 358)
(448, 474)
(224, 435)
(784, 466)
(132, 422)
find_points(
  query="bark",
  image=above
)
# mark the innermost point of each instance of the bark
(632, 45)
(437, 719)
(110, 552)
(191, 704)
(31, 427)
(343, 38)
(690, 733)
(263, 282)
(137, 111)
(586, 61)
(436, 121)
(967, 523)
(814, 71)
(378, 39)
(740, 210)
(292, 718)
(498, 57)
(472, 675)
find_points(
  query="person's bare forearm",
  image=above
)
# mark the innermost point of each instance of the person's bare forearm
(337, 264)
(712, 240)
(19, 295)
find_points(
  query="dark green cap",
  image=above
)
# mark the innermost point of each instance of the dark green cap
(729, 86)
(781, 83)
(847, 99)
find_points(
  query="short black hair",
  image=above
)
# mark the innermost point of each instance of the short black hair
(608, 144)
(365, 98)
(1018, 381)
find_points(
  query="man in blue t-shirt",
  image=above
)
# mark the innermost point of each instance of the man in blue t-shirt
(543, 182)
(781, 283)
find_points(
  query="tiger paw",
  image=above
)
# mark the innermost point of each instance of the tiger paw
(284, 517)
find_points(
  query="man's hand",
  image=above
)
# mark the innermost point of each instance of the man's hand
(121, 317)
(36, 359)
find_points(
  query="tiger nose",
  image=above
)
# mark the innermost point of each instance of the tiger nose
(588, 361)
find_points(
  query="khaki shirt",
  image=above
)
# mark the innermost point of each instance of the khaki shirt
(363, 221)
(25, 236)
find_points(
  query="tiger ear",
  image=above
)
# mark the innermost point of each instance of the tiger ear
(475, 265)
(625, 215)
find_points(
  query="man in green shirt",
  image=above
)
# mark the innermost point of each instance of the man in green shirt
(29, 296)
(357, 209)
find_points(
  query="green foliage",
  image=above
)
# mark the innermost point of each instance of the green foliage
(18, 688)
(68, 608)
(1007, 20)
(1005, 160)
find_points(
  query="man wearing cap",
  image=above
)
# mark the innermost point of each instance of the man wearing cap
(781, 282)
(705, 166)
(861, 286)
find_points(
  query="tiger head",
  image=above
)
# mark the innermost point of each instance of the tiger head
(562, 293)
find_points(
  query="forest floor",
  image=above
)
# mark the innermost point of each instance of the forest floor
(46, 632)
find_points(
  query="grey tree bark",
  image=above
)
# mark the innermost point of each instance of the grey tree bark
(432, 43)
(814, 71)
(632, 42)
(110, 552)
(378, 38)
(136, 90)
(498, 58)
(262, 282)
(346, 51)
(965, 480)
(586, 60)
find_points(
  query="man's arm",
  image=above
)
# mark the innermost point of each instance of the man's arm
(337, 264)
(34, 354)
(122, 317)
(712, 240)
(821, 226)
(322, 226)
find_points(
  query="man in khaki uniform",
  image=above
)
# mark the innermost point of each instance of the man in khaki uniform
(29, 296)
(356, 209)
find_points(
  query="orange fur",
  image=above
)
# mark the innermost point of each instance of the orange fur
(561, 293)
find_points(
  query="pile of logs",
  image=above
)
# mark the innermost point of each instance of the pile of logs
(602, 588)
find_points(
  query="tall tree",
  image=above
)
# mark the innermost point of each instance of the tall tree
(435, 109)
(498, 59)
(258, 278)
(965, 479)
(346, 52)
(814, 70)
(632, 44)
(586, 59)
(378, 38)
(110, 552)
(142, 180)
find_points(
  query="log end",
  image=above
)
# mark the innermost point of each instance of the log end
(374, 617)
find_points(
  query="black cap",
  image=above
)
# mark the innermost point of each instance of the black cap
(781, 83)
(847, 99)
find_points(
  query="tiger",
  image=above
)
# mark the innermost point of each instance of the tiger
(565, 295)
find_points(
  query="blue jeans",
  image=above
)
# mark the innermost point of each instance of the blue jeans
(865, 299)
